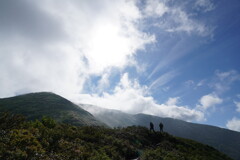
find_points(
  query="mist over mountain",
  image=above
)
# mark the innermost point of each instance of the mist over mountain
(224, 140)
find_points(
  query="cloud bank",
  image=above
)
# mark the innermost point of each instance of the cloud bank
(130, 97)
(60, 45)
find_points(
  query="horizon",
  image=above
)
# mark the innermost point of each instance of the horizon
(159, 57)
(91, 111)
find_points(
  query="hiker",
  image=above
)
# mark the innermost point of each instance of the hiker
(151, 127)
(161, 127)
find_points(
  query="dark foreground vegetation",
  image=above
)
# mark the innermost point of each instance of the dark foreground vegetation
(49, 140)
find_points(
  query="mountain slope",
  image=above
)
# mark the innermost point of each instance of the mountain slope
(37, 105)
(112, 118)
(224, 140)
(44, 140)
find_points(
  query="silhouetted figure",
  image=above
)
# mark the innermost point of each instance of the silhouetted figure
(161, 127)
(151, 127)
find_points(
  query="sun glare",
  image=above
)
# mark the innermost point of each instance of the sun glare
(108, 47)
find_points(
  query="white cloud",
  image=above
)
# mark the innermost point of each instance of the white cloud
(130, 97)
(204, 5)
(108, 36)
(189, 83)
(183, 23)
(201, 83)
(172, 101)
(229, 76)
(103, 83)
(234, 124)
(163, 79)
(175, 18)
(224, 80)
(155, 8)
(208, 101)
(57, 45)
(237, 105)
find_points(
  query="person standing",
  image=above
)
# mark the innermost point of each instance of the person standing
(161, 127)
(151, 127)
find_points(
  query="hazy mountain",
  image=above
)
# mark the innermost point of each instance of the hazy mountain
(224, 140)
(37, 105)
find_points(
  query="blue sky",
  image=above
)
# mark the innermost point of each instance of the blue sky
(168, 58)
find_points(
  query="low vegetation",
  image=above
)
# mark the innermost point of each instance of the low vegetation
(47, 139)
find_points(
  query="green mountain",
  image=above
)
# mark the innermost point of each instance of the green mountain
(37, 105)
(224, 140)
(46, 139)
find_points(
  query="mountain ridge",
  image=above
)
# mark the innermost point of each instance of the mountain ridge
(227, 141)
(39, 104)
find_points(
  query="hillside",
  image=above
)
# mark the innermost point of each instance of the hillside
(37, 105)
(46, 139)
(224, 140)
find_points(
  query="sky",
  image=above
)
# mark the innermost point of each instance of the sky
(177, 59)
